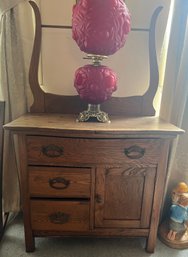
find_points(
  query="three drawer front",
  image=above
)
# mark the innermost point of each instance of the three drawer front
(57, 151)
(59, 182)
(59, 215)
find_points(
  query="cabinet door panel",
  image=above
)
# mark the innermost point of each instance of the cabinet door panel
(122, 198)
(117, 205)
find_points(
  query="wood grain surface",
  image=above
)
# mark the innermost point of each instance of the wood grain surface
(59, 182)
(77, 215)
(119, 126)
(83, 150)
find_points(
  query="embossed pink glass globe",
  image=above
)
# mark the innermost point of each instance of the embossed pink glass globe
(100, 26)
(95, 84)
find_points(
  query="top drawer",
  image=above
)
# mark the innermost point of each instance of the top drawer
(58, 151)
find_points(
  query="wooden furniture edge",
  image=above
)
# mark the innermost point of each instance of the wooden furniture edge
(2, 116)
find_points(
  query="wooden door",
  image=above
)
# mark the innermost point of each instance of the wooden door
(124, 197)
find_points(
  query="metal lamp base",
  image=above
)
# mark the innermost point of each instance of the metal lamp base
(93, 111)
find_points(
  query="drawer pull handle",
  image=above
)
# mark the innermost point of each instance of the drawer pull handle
(59, 217)
(134, 152)
(59, 183)
(52, 151)
(98, 198)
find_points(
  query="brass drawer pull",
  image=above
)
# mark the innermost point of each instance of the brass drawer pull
(52, 151)
(134, 152)
(59, 183)
(59, 217)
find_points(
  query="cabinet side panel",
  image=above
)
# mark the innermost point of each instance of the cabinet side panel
(29, 239)
(158, 196)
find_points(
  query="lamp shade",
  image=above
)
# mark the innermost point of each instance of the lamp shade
(95, 84)
(100, 26)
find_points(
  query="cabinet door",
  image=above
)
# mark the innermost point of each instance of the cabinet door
(124, 197)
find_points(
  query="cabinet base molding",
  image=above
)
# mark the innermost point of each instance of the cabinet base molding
(95, 233)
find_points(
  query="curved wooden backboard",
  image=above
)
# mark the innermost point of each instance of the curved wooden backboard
(138, 105)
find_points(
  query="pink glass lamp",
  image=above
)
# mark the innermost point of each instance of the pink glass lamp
(100, 28)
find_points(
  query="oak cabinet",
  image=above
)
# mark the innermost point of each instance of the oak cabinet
(92, 179)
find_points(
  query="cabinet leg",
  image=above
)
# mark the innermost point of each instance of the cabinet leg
(150, 245)
(30, 244)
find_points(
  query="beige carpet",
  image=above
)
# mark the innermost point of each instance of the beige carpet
(12, 245)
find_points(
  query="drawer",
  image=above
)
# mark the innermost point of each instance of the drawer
(59, 215)
(57, 151)
(59, 182)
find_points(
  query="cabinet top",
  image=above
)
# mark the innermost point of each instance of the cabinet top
(67, 124)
